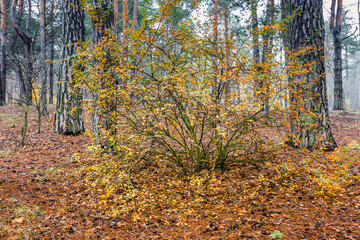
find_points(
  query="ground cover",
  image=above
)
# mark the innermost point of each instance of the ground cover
(46, 192)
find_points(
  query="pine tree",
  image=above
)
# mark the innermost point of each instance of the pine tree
(68, 119)
(310, 130)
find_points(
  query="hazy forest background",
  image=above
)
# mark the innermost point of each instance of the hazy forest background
(169, 119)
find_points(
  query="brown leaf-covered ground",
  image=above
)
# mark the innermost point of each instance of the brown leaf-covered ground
(42, 198)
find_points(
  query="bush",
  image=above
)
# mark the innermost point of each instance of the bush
(177, 95)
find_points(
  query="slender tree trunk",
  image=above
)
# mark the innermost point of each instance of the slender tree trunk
(125, 26)
(309, 117)
(3, 53)
(255, 31)
(27, 45)
(255, 45)
(216, 20)
(16, 64)
(135, 14)
(285, 14)
(52, 56)
(267, 49)
(43, 58)
(69, 119)
(116, 14)
(336, 32)
(347, 95)
(51, 68)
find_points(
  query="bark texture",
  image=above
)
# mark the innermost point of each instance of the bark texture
(336, 32)
(3, 36)
(309, 117)
(44, 86)
(69, 118)
(255, 31)
(102, 21)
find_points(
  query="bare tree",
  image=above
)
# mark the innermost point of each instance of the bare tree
(25, 37)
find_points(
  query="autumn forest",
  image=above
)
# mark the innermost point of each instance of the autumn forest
(169, 119)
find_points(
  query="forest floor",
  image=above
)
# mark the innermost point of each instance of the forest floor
(295, 195)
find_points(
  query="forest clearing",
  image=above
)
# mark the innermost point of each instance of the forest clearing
(179, 119)
(42, 197)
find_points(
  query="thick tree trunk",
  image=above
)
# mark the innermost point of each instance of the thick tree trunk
(3, 53)
(43, 58)
(102, 20)
(69, 119)
(309, 118)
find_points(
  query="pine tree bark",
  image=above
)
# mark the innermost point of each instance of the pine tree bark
(310, 128)
(3, 36)
(102, 20)
(336, 32)
(69, 119)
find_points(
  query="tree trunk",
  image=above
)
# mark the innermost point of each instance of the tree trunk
(125, 26)
(336, 32)
(216, 20)
(28, 86)
(43, 58)
(16, 64)
(3, 53)
(135, 14)
(116, 14)
(267, 49)
(69, 119)
(309, 117)
(102, 20)
(255, 31)
(51, 68)
(52, 56)
(285, 13)
(347, 94)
